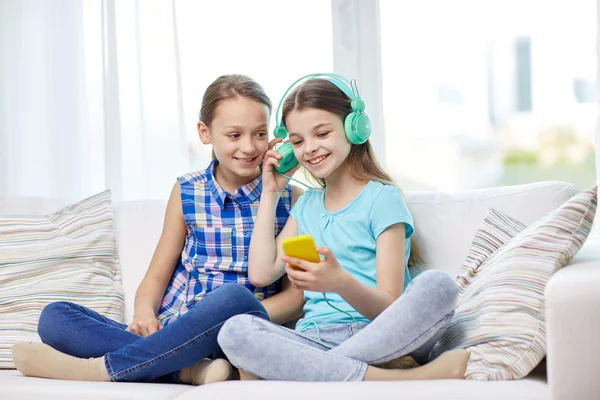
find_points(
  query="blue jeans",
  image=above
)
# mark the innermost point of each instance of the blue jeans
(411, 325)
(81, 332)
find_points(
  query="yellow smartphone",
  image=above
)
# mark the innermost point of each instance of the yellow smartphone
(302, 247)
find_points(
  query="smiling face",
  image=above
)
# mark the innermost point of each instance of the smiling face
(318, 140)
(238, 134)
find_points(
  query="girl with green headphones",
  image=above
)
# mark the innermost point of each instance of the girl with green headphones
(361, 309)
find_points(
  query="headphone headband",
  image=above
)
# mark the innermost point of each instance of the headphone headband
(346, 86)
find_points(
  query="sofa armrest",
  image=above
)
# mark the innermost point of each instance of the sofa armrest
(573, 327)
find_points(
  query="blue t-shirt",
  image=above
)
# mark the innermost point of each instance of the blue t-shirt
(351, 234)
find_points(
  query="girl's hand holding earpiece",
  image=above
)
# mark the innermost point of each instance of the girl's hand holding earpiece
(273, 181)
(325, 276)
(273, 142)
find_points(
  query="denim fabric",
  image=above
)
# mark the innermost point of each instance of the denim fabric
(409, 326)
(81, 332)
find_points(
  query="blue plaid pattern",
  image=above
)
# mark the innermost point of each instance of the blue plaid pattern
(216, 247)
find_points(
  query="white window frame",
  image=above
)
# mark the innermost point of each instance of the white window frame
(357, 55)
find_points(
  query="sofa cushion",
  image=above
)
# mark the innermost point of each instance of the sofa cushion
(138, 225)
(533, 387)
(70, 255)
(13, 385)
(446, 222)
(500, 314)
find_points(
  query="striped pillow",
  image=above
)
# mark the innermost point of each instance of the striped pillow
(500, 315)
(70, 255)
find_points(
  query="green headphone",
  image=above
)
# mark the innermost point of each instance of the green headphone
(357, 125)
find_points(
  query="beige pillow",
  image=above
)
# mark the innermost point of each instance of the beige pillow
(500, 315)
(70, 255)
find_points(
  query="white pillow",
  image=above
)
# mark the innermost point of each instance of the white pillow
(70, 255)
(500, 314)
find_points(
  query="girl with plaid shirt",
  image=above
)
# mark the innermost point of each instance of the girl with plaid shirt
(198, 276)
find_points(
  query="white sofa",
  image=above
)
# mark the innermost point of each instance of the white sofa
(445, 224)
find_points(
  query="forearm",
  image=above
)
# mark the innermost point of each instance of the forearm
(369, 302)
(148, 298)
(284, 306)
(263, 249)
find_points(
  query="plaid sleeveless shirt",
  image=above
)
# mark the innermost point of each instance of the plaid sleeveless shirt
(218, 240)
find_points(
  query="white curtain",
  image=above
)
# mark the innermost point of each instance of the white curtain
(90, 98)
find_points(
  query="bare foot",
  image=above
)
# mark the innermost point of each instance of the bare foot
(42, 361)
(450, 365)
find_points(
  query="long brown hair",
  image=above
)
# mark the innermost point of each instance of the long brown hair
(321, 94)
(227, 87)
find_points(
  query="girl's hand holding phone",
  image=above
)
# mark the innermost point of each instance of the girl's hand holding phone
(307, 271)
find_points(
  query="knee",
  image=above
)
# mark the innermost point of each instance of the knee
(440, 287)
(441, 281)
(236, 290)
(240, 299)
(51, 316)
(235, 337)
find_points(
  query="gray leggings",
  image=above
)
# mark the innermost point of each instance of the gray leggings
(411, 325)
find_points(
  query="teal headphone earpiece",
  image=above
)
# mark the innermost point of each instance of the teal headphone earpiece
(357, 125)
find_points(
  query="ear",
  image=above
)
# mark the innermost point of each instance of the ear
(203, 132)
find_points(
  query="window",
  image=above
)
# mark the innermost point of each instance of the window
(480, 94)
(274, 42)
(147, 64)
